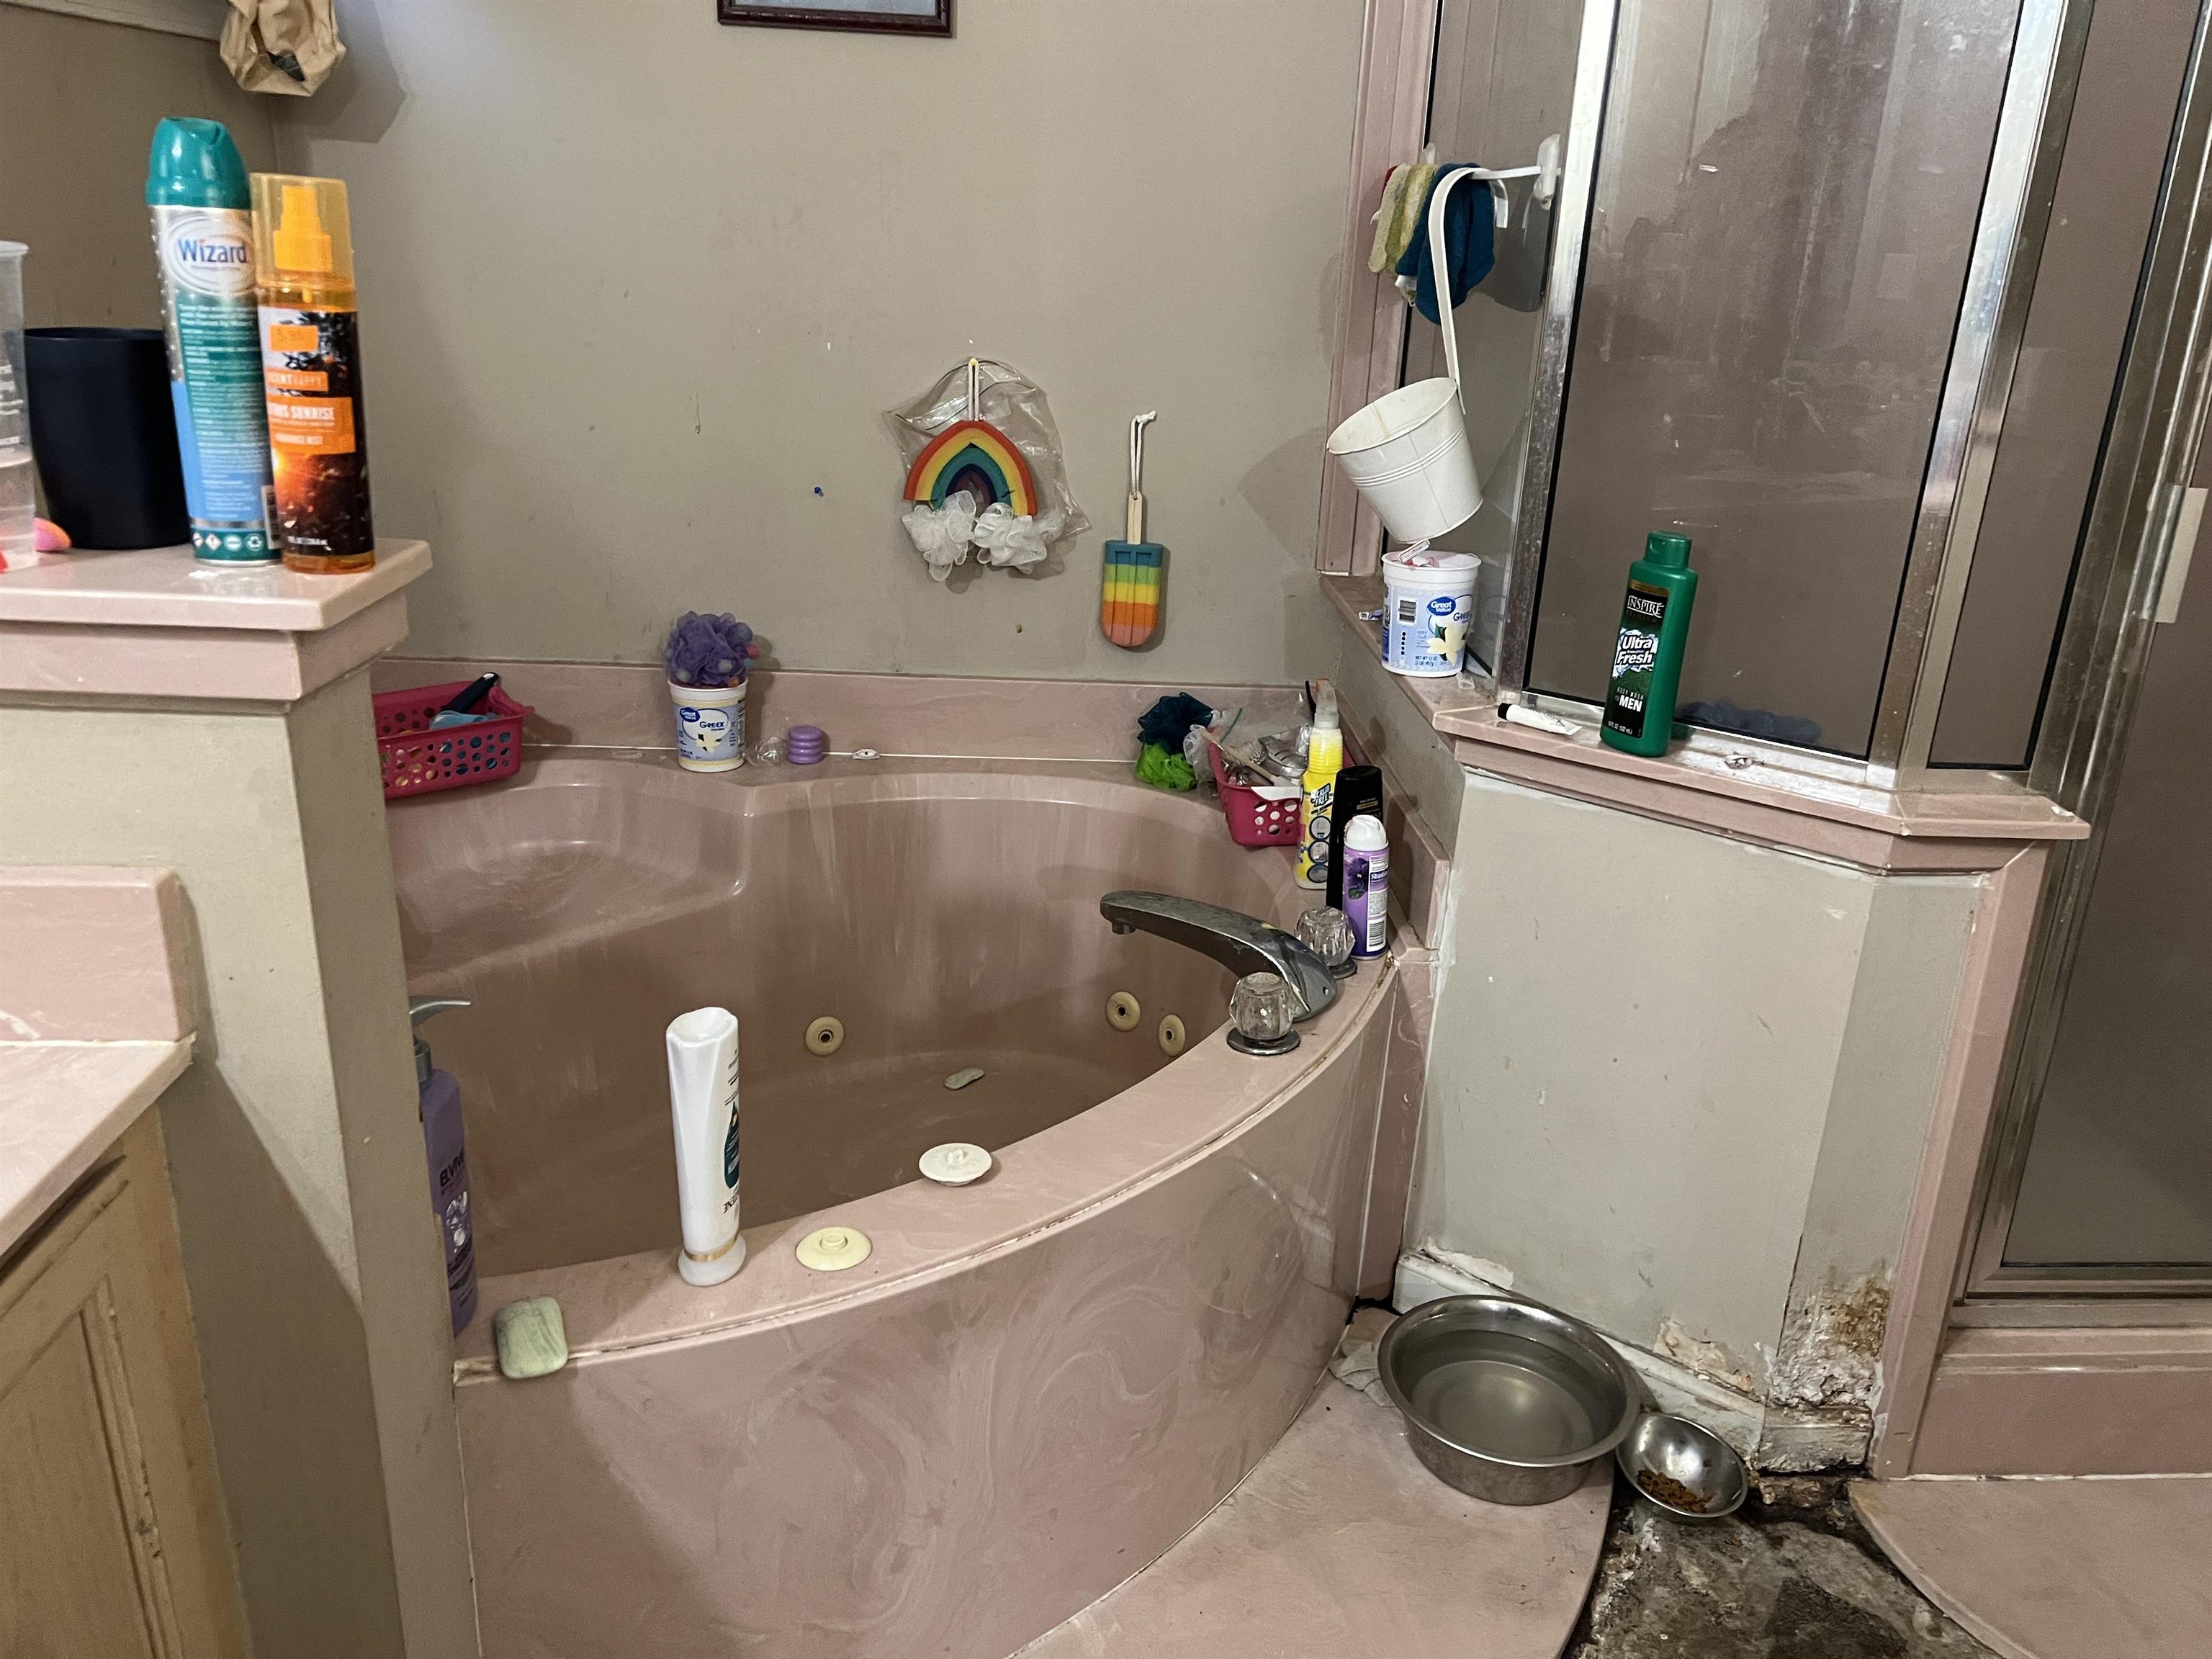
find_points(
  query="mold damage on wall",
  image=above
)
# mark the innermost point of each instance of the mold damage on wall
(1680, 1087)
(1807, 1406)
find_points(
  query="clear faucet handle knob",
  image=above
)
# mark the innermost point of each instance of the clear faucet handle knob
(1261, 1009)
(1327, 931)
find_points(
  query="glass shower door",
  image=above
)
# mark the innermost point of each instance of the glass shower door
(2118, 1176)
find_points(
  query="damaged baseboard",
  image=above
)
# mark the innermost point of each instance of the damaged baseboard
(1773, 1439)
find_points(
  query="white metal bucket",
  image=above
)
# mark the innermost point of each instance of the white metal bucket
(1407, 453)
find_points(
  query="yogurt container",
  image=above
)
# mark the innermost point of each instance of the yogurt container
(1430, 603)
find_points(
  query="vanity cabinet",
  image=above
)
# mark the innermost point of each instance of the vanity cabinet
(112, 1540)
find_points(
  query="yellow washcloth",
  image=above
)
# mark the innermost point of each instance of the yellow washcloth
(1419, 177)
(1411, 198)
(1399, 219)
(1379, 258)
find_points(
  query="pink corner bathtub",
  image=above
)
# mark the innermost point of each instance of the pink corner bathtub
(1034, 1384)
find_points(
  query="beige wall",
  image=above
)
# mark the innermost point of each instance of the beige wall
(317, 1295)
(294, 1144)
(635, 285)
(78, 101)
(1679, 1086)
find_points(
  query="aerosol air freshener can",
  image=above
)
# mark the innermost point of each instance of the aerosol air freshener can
(204, 238)
(1367, 884)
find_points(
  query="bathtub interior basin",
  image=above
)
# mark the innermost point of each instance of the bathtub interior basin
(948, 920)
(1033, 1385)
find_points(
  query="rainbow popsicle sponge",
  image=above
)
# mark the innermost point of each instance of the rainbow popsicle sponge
(1134, 569)
(1129, 596)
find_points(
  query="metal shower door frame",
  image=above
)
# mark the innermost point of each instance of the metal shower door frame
(1396, 79)
(2156, 430)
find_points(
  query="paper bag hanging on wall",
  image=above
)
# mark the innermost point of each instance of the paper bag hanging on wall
(282, 46)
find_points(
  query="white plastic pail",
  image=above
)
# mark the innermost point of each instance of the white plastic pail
(1406, 451)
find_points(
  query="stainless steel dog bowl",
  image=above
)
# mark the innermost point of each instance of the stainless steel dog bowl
(1685, 1469)
(1506, 1400)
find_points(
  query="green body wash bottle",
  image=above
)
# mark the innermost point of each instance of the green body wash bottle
(1647, 663)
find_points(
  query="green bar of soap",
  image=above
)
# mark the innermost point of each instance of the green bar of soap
(531, 1339)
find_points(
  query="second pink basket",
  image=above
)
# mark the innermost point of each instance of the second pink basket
(1265, 816)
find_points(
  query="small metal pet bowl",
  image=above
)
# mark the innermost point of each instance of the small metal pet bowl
(1684, 1469)
(1505, 1400)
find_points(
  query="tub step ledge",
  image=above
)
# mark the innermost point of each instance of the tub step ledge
(1340, 1542)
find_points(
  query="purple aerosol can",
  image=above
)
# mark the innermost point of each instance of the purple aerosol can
(1367, 884)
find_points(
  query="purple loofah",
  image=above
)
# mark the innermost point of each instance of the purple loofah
(710, 651)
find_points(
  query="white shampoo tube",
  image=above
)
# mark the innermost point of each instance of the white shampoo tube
(703, 1092)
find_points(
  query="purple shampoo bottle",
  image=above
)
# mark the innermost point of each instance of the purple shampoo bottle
(446, 1147)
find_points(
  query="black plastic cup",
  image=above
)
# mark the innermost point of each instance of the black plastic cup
(104, 433)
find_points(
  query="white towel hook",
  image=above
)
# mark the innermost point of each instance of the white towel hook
(1547, 170)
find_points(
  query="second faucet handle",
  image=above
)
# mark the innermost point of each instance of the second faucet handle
(1327, 931)
(1262, 1012)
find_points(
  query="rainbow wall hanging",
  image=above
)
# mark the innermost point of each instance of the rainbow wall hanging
(990, 487)
(976, 457)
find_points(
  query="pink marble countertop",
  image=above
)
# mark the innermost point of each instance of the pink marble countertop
(64, 1104)
(96, 953)
(167, 587)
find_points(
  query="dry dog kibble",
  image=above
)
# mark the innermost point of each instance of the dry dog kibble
(1668, 1490)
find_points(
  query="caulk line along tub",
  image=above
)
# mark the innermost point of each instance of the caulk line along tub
(204, 238)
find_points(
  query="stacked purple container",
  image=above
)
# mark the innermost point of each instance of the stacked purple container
(805, 745)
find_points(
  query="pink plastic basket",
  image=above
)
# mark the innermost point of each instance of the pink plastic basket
(1263, 817)
(417, 761)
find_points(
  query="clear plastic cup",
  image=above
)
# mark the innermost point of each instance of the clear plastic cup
(18, 491)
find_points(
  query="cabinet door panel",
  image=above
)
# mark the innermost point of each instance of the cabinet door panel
(71, 1575)
(112, 1541)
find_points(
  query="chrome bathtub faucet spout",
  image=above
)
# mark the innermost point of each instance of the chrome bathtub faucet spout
(1244, 945)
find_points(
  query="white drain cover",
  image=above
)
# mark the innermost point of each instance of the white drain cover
(956, 1163)
(833, 1249)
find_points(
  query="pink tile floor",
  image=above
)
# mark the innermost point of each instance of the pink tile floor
(2059, 1569)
